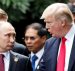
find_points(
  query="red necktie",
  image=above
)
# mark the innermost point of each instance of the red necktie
(61, 57)
(1, 62)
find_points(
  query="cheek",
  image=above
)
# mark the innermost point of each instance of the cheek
(36, 43)
(52, 29)
(25, 42)
(56, 27)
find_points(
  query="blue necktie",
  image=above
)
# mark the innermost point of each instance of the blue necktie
(34, 58)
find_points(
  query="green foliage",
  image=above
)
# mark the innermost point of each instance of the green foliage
(15, 8)
(39, 5)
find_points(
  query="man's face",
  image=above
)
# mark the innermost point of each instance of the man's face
(7, 37)
(32, 40)
(53, 26)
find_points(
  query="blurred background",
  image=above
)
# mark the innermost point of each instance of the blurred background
(24, 12)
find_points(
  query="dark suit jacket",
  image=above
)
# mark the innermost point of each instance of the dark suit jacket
(19, 62)
(49, 60)
(37, 68)
(21, 49)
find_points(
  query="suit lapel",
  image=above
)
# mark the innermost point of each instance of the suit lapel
(54, 54)
(72, 57)
(37, 68)
(13, 62)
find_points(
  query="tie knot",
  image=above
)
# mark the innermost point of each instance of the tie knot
(1, 56)
(63, 39)
(34, 58)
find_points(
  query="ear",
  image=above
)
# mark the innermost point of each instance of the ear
(44, 38)
(63, 22)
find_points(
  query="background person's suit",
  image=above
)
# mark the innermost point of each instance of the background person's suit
(21, 49)
(49, 61)
(37, 68)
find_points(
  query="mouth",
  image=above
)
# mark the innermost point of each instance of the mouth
(29, 47)
(12, 45)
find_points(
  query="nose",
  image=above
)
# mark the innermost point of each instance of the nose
(12, 39)
(28, 40)
(47, 26)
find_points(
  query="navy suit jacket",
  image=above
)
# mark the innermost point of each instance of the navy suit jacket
(21, 49)
(19, 62)
(37, 68)
(49, 60)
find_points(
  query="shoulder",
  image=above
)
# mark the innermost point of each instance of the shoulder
(22, 61)
(18, 45)
(50, 40)
(19, 56)
(20, 48)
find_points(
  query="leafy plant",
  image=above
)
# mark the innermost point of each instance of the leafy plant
(15, 8)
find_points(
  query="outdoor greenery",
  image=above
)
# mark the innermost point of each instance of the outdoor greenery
(17, 9)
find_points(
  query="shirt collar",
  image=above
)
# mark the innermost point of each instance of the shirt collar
(6, 54)
(39, 53)
(70, 33)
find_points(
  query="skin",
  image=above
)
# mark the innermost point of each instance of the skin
(55, 27)
(7, 36)
(58, 19)
(34, 42)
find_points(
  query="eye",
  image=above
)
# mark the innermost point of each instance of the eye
(26, 38)
(10, 35)
(32, 38)
(7, 35)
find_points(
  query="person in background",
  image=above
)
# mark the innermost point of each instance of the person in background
(35, 37)
(12, 61)
(59, 54)
(19, 48)
(72, 8)
(3, 15)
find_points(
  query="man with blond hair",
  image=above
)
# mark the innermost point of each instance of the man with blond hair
(60, 49)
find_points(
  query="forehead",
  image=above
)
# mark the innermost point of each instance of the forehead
(31, 32)
(49, 18)
(7, 28)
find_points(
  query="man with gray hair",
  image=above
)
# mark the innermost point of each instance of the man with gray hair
(9, 60)
(60, 49)
(19, 48)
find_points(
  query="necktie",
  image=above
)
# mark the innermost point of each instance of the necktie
(1, 62)
(34, 58)
(61, 57)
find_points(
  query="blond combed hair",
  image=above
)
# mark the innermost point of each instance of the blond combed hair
(58, 10)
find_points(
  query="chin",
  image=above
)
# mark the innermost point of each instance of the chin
(54, 36)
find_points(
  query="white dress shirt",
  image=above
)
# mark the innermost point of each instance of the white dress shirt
(6, 60)
(69, 42)
(39, 55)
